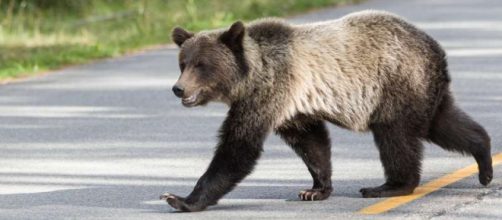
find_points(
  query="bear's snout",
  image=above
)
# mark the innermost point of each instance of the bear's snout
(178, 91)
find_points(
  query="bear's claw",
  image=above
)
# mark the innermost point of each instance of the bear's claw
(173, 200)
(313, 195)
(179, 203)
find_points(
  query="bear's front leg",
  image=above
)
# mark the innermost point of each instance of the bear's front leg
(240, 145)
(310, 140)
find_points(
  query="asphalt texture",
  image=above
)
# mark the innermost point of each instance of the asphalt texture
(104, 140)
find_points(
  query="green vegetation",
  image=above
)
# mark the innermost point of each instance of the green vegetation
(45, 34)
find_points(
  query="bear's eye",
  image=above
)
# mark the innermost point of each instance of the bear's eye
(199, 65)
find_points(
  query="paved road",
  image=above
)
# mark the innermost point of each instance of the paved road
(103, 141)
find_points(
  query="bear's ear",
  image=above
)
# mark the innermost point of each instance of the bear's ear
(180, 35)
(233, 36)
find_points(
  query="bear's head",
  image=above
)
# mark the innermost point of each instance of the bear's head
(211, 64)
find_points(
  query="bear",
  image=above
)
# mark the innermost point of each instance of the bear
(369, 71)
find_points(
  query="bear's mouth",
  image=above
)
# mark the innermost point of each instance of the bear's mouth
(190, 101)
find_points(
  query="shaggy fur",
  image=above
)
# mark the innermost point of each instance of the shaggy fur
(368, 71)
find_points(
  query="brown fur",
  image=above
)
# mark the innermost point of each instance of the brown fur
(366, 71)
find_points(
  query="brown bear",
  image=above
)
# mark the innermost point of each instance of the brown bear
(367, 71)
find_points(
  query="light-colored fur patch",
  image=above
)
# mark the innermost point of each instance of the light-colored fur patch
(341, 68)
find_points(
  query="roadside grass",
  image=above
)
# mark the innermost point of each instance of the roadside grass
(37, 35)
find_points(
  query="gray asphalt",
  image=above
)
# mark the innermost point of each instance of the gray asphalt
(104, 140)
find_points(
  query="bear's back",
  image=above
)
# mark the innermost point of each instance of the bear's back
(344, 68)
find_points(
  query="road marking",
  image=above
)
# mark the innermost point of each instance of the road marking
(426, 188)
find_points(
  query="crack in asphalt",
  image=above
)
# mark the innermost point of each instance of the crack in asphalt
(479, 198)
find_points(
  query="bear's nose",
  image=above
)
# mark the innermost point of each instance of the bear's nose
(178, 91)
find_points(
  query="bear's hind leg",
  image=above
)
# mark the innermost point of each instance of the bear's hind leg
(311, 142)
(401, 155)
(454, 130)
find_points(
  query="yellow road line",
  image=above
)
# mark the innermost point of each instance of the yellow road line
(426, 188)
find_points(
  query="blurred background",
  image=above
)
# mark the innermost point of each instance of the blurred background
(38, 35)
